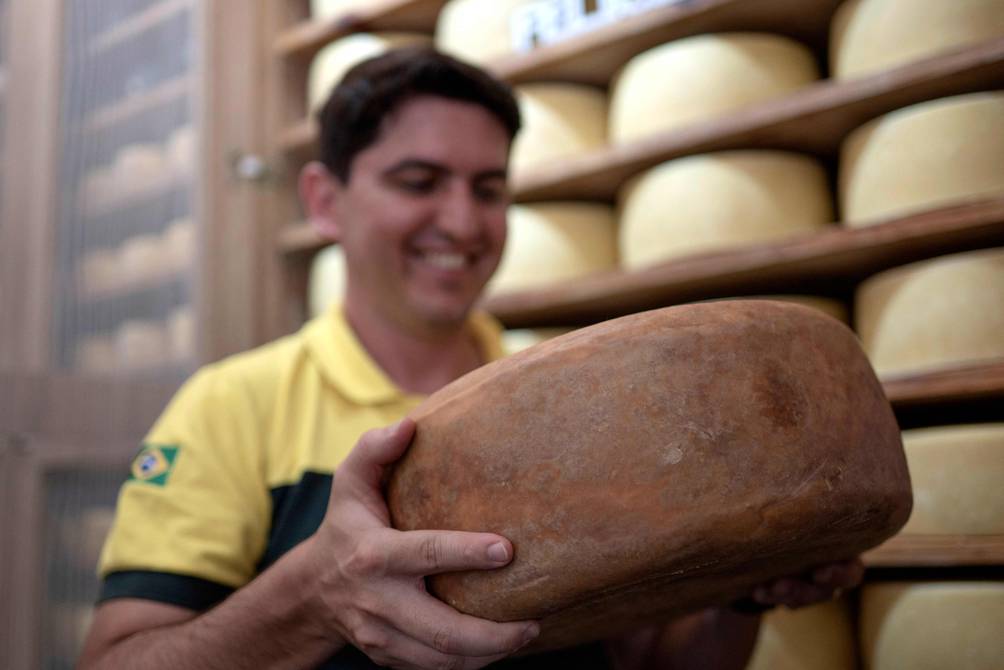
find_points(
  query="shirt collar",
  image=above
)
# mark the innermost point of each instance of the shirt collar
(345, 363)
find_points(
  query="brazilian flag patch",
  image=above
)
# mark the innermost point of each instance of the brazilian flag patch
(153, 464)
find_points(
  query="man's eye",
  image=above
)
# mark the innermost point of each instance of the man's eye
(417, 185)
(491, 193)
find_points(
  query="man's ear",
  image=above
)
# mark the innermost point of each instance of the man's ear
(319, 194)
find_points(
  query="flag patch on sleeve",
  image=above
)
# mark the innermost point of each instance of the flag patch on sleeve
(154, 464)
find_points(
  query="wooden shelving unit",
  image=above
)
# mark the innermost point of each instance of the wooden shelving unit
(908, 551)
(136, 25)
(980, 381)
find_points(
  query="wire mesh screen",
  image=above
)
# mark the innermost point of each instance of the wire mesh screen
(126, 229)
(79, 508)
(3, 91)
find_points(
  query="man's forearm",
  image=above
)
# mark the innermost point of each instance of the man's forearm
(271, 622)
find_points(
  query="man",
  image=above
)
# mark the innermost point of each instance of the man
(238, 543)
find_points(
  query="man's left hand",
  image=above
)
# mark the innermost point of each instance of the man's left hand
(822, 583)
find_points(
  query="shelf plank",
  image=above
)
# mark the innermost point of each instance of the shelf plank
(840, 255)
(596, 56)
(937, 551)
(137, 24)
(814, 120)
(300, 238)
(959, 384)
(307, 38)
(300, 139)
(111, 115)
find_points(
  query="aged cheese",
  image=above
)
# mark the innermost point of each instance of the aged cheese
(326, 9)
(937, 313)
(100, 270)
(871, 35)
(178, 244)
(518, 339)
(181, 151)
(559, 121)
(727, 199)
(554, 241)
(141, 344)
(932, 626)
(924, 156)
(699, 78)
(327, 279)
(958, 479)
(828, 306)
(820, 637)
(181, 333)
(97, 354)
(477, 31)
(337, 58)
(140, 168)
(656, 464)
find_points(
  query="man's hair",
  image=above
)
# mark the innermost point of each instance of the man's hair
(351, 118)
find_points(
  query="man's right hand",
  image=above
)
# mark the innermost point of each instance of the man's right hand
(371, 578)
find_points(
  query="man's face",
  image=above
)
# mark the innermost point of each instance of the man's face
(422, 217)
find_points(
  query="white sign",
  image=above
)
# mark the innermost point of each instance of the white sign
(542, 22)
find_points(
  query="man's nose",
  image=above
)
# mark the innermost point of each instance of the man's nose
(459, 214)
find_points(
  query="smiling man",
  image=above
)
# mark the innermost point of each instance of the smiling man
(264, 539)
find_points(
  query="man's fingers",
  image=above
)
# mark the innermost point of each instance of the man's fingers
(447, 631)
(376, 450)
(429, 552)
(407, 652)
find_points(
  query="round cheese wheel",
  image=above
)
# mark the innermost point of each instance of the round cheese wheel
(326, 9)
(181, 333)
(560, 121)
(476, 31)
(100, 270)
(99, 190)
(699, 78)
(97, 354)
(141, 259)
(871, 35)
(178, 244)
(518, 339)
(181, 150)
(656, 464)
(922, 157)
(327, 279)
(139, 168)
(555, 241)
(820, 637)
(938, 313)
(727, 199)
(336, 59)
(141, 344)
(958, 479)
(932, 626)
(829, 306)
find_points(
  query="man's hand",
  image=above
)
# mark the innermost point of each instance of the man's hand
(372, 577)
(825, 582)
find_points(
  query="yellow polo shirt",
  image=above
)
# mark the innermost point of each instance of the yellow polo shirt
(238, 469)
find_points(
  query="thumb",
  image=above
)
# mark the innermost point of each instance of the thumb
(377, 450)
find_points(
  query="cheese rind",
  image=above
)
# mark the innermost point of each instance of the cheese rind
(711, 201)
(924, 156)
(476, 31)
(326, 9)
(327, 279)
(336, 59)
(820, 637)
(699, 78)
(560, 121)
(867, 36)
(958, 479)
(933, 314)
(932, 626)
(555, 241)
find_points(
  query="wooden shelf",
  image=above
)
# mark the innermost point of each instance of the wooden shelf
(961, 384)
(111, 115)
(814, 120)
(300, 238)
(838, 256)
(937, 551)
(305, 39)
(137, 24)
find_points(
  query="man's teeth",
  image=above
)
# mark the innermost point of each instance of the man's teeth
(446, 261)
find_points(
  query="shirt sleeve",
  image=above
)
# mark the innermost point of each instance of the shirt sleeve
(192, 518)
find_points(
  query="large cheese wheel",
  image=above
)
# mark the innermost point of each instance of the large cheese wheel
(179, 244)
(327, 279)
(337, 58)
(560, 121)
(932, 626)
(97, 354)
(518, 339)
(820, 637)
(727, 199)
(936, 313)
(181, 334)
(924, 156)
(142, 344)
(657, 464)
(829, 306)
(555, 241)
(181, 151)
(326, 9)
(958, 479)
(477, 31)
(140, 168)
(871, 35)
(698, 78)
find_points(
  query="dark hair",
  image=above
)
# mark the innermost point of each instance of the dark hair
(351, 118)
